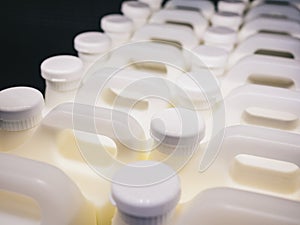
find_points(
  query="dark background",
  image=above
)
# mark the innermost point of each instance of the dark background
(33, 30)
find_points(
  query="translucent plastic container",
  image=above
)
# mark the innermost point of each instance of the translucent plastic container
(72, 135)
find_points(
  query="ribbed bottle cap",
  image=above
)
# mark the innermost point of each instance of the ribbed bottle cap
(236, 6)
(220, 35)
(146, 189)
(177, 127)
(210, 56)
(116, 23)
(136, 10)
(227, 19)
(92, 42)
(20, 108)
(62, 68)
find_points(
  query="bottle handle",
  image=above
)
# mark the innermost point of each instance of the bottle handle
(193, 19)
(266, 42)
(167, 32)
(59, 199)
(263, 106)
(264, 70)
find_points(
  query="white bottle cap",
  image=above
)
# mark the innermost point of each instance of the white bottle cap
(116, 23)
(20, 108)
(227, 19)
(154, 4)
(236, 6)
(210, 56)
(92, 42)
(177, 127)
(220, 35)
(62, 72)
(136, 10)
(195, 93)
(143, 195)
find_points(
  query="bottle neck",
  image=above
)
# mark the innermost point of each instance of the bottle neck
(125, 219)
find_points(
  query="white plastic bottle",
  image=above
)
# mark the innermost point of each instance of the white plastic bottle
(222, 37)
(32, 192)
(232, 206)
(138, 12)
(63, 75)
(206, 8)
(20, 113)
(236, 6)
(118, 27)
(145, 192)
(227, 19)
(181, 17)
(91, 46)
(266, 44)
(270, 25)
(87, 143)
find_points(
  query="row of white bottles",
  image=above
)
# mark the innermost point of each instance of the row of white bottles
(260, 121)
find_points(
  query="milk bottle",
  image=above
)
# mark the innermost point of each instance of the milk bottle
(88, 144)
